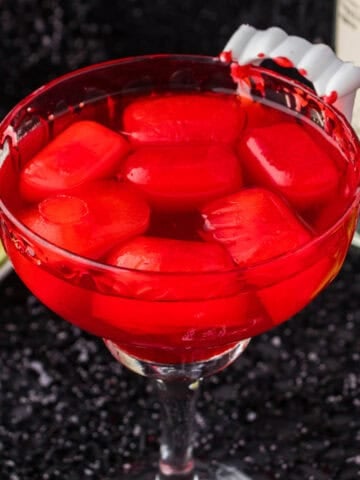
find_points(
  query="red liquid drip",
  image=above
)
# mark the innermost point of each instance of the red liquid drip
(331, 98)
(226, 57)
(240, 73)
(284, 62)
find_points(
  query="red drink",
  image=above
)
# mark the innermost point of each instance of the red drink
(180, 221)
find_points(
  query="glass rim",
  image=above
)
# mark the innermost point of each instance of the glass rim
(98, 265)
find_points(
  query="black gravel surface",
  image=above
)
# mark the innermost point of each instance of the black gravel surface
(288, 409)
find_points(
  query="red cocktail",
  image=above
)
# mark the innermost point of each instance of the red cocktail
(174, 209)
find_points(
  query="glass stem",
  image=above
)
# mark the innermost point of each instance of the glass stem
(178, 401)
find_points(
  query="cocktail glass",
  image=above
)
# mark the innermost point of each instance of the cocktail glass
(188, 332)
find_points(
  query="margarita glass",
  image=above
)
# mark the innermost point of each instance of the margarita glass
(177, 262)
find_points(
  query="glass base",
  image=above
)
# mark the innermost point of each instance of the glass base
(190, 371)
(212, 471)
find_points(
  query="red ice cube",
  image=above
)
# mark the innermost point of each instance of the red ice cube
(255, 225)
(183, 176)
(286, 158)
(287, 297)
(83, 152)
(184, 118)
(179, 269)
(88, 221)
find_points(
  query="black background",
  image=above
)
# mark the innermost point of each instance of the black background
(288, 409)
(42, 39)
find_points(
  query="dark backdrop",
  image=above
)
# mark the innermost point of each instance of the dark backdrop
(288, 409)
(41, 39)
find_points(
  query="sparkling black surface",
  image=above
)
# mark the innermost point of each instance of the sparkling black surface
(288, 409)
